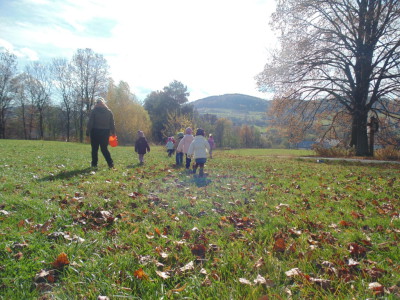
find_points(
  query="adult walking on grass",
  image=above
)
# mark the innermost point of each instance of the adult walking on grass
(99, 128)
(199, 149)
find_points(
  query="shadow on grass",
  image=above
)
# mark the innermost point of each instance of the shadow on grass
(134, 166)
(68, 174)
(201, 181)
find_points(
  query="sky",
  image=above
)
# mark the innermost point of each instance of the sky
(213, 47)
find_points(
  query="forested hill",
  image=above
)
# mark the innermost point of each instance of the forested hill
(236, 102)
(241, 109)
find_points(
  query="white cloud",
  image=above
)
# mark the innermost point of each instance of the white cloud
(6, 45)
(213, 47)
(27, 53)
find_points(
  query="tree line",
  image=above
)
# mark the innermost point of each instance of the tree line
(53, 101)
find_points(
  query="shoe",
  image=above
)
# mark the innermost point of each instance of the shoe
(111, 166)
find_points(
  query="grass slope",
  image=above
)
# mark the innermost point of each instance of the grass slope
(262, 223)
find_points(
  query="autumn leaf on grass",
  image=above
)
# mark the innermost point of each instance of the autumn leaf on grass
(376, 288)
(163, 275)
(61, 261)
(261, 280)
(260, 262)
(157, 231)
(140, 274)
(357, 250)
(293, 272)
(357, 215)
(187, 267)
(280, 245)
(374, 272)
(345, 223)
(177, 289)
(245, 281)
(199, 250)
(45, 276)
(18, 256)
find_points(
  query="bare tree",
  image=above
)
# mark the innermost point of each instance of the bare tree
(91, 77)
(344, 52)
(39, 86)
(21, 100)
(63, 75)
(8, 66)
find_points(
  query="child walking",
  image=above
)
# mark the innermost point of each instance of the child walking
(178, 154)
(212, 143)
(199, 149)
(184, 145)
(170, 146)
(141, 146)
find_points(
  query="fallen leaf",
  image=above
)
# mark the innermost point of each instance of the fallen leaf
(280, 245)
(178, 289)
(293, 272)
(61, 261)
(140, 274)
(199, 250)
(377, 288)
(18, 256)
(245, 281)
(163, 275)
(259, 263)
(187, 267)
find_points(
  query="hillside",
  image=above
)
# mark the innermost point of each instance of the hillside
(241, 109)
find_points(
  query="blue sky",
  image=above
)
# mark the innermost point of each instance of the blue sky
(214, 47)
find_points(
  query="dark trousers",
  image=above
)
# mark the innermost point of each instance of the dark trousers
(99, 138)
(188, 161)
(179, 158)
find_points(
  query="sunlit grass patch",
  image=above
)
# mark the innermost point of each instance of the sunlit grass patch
(259, 224)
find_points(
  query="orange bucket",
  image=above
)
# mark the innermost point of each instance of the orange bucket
(113, 141)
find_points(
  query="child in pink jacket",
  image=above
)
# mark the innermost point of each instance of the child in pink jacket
(184, 146)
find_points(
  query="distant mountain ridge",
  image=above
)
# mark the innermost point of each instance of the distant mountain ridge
(232, 102)
(241, 109)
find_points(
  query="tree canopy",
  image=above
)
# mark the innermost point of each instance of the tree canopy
(162, 105)
(336, 55)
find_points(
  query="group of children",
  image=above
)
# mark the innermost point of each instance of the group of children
(186, 144)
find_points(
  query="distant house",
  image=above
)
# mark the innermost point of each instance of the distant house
(328, 143)
(305, 145)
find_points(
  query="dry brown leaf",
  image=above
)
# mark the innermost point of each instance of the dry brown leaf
(261, 280)
(178, 289)
(199, 250)
(260, 262)
(140, 274)
(293, 272)
(61, 261)
(187, 267)
(245, 281)
(163, 275)
(280, 245)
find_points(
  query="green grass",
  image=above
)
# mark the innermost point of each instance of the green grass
(258, 212)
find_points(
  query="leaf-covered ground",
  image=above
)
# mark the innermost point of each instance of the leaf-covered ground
(262, 225)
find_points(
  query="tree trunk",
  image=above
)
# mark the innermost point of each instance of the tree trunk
(359, 137)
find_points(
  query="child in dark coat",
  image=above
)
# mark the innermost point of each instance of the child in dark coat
(141, 146)
(178, 154)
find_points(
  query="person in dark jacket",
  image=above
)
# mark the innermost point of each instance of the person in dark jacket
(141, 146)
(100, 126)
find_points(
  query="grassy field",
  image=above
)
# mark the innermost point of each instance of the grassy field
(263, 224)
